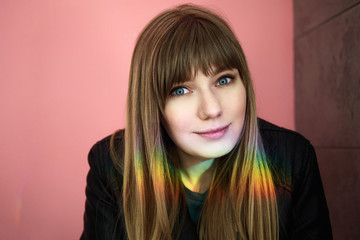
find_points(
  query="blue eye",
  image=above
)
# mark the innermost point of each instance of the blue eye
(179, 91)
(224, 81)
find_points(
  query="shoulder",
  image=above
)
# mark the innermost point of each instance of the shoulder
(101, 149)
(103, 145)
(103, 207)
(279, 140)
(275, 135)
(290, 152)
(102, 162)
(300, 196)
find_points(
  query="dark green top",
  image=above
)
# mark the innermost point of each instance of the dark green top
(194, 202)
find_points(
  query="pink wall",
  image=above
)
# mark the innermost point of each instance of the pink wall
(64, 71)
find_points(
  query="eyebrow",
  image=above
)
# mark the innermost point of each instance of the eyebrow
(221, 70)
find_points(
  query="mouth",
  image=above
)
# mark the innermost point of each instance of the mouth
(214, 134)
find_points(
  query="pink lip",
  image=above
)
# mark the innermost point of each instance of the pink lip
(213, 134)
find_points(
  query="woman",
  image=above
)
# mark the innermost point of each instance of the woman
(195, 162)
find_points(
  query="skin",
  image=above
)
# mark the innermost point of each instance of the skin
(204, 118)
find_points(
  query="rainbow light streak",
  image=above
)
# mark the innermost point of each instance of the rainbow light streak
(157, 170)
(263, 186)
(261, 176)
(265, 169)
(139, 173)
(18, 205)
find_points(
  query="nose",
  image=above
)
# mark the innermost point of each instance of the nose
(209, 106)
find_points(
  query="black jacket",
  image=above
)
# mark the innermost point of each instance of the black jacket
(303, 212)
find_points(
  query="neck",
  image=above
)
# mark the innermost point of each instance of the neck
(197, 176)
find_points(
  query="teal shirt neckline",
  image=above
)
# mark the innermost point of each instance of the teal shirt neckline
(194, 202)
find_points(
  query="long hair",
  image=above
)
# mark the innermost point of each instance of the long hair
(241, 202)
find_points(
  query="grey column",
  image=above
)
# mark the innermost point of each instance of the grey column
(327, 101)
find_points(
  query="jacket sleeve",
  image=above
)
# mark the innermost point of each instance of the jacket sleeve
(102, 217)
(310, 211)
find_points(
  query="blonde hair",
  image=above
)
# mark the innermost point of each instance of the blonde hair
(241, 202)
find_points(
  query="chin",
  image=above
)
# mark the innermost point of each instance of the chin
(215, 152)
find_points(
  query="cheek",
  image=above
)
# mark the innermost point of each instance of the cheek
(178, 124)
(235, 103)
(178, 119)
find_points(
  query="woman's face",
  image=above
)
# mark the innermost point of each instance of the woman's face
(204, 116)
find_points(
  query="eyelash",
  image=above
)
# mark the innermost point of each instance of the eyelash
(229, 78)
(177, 88)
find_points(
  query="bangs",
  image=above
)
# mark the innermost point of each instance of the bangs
(194, 44)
